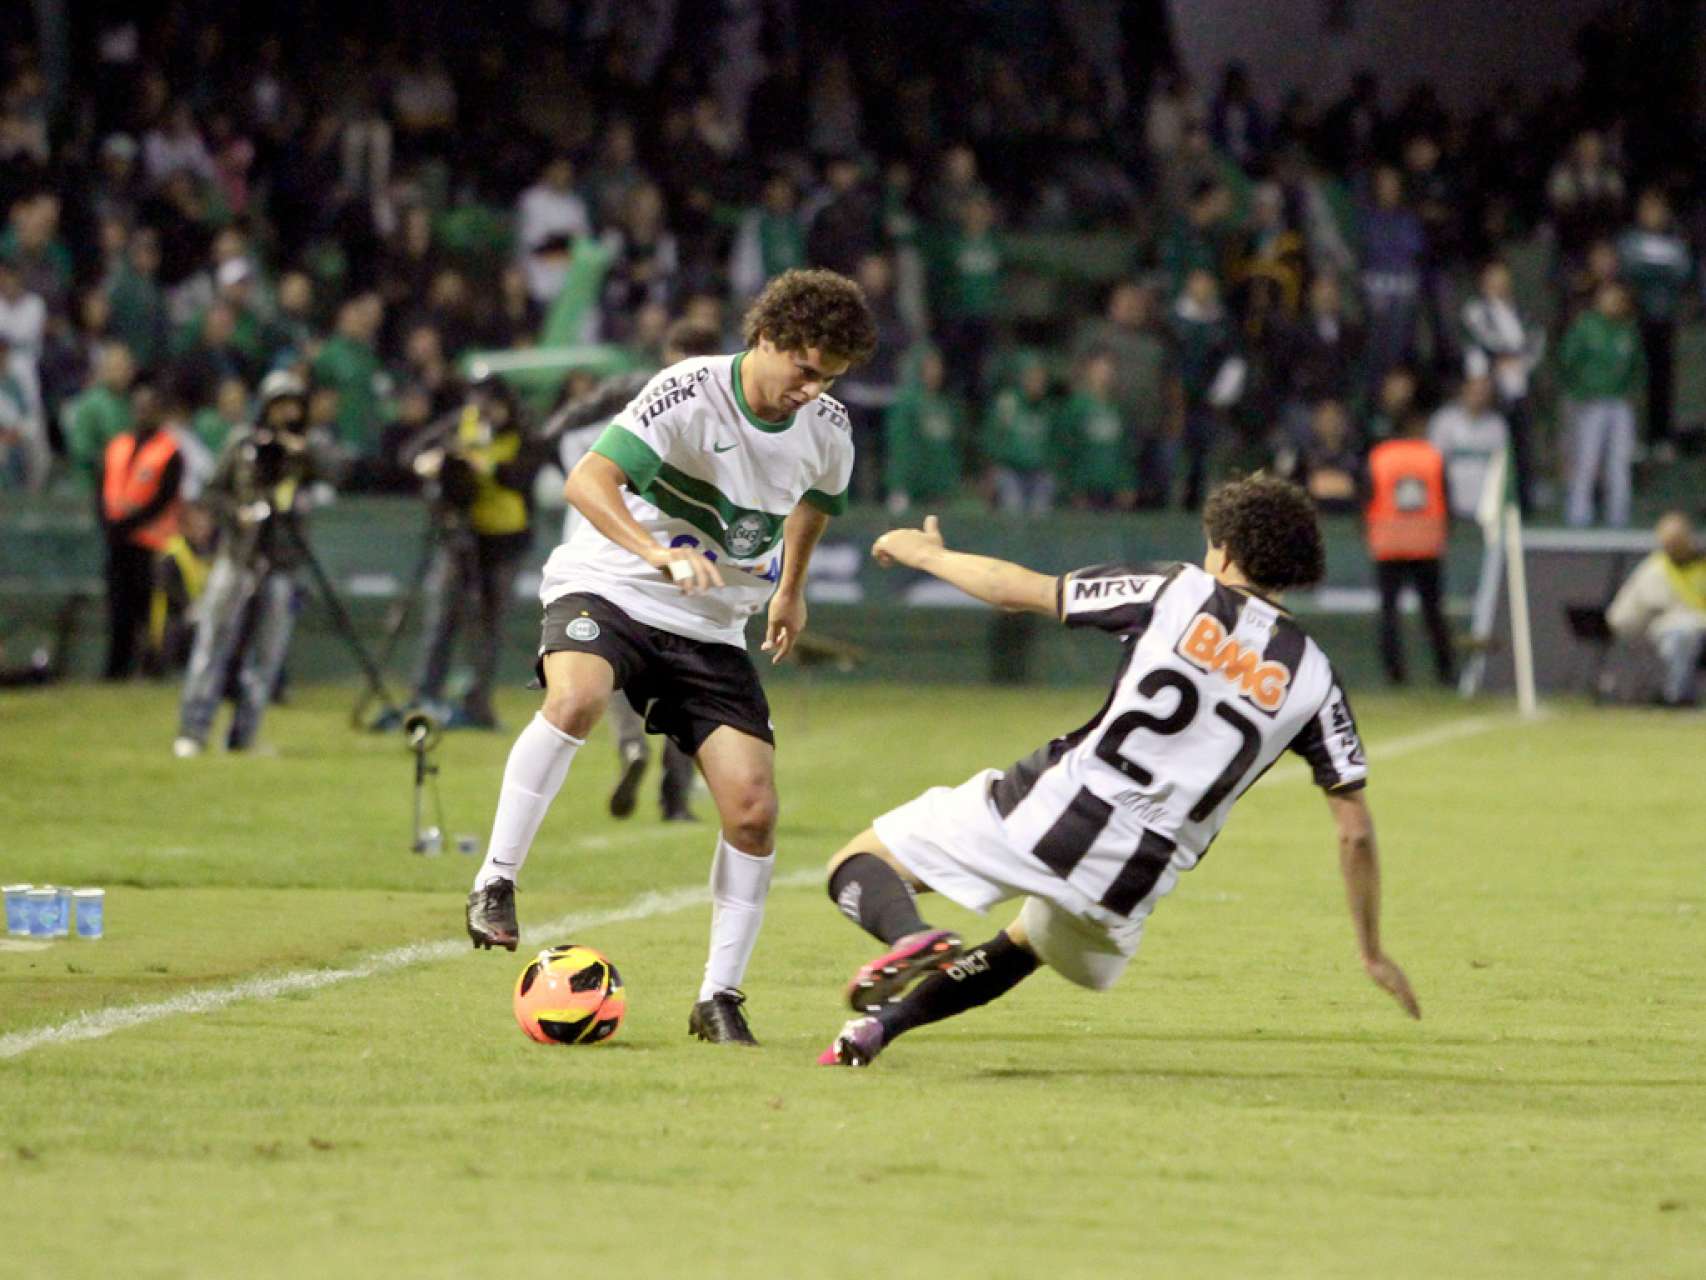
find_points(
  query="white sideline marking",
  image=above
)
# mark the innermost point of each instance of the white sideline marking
(103, 1022)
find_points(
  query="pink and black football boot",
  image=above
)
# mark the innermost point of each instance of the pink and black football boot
(861, 1040)
(886, 978)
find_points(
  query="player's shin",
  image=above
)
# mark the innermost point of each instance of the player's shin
(740, 883)
(538, 763)
(981, 974)
(872, 895)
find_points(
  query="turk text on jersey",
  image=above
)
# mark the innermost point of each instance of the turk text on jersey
(668, 400)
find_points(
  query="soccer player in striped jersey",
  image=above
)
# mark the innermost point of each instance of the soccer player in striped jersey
(702, 502)
(1091, 831)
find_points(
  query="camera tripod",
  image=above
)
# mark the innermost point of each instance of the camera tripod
(422, 733)
(341, 621)
(402, 610)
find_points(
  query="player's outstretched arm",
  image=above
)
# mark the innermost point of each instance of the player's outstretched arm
(1359, 862)
(998, 582)
(594, 488)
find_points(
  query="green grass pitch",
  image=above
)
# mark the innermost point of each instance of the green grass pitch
(1244, 1103)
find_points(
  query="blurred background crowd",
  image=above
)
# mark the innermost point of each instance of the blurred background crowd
(1100, 281)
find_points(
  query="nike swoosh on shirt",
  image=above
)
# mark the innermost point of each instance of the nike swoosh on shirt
(723, 448)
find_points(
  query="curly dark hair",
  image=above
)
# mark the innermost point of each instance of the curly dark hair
(1267, 527)
(802, 309)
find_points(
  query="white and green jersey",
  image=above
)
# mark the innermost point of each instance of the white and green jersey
(705, 471)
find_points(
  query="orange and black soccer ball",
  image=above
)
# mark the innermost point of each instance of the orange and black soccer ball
(569, 995)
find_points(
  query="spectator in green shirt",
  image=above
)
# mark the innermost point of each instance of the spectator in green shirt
(1600, 371)
(1212, 373)
(1398, 398)
(615, 173)
(138, 305)
(1145, 386)
(907, 241)
(1096, 461)
(1197, 241)
(349, 364)
(1656, 262)
(769, 240)
(216, 355)
(31, 243)
(969, 285)
(1018, 441)
(102, 412)
(292, 334)
(923, 428)
(229, 410)
(957, 182)
(235, 293)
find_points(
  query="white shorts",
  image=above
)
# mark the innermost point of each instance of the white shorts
(952, 839)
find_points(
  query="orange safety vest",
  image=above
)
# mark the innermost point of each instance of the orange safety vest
(131, 480)
(1407, 514)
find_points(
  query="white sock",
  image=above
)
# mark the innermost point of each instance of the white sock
(740, 882)
(538, 763)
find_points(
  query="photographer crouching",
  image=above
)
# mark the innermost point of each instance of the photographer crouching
(479, 465)
(247, 609)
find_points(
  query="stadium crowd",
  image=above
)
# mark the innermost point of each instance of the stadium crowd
(1294, 281)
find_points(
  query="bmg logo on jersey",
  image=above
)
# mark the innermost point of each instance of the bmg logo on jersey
(1207, 647)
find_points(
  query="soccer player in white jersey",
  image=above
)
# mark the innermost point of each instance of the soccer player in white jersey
(1092, 830)
(702, 501)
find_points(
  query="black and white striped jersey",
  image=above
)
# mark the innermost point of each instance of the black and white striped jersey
(1215, 684)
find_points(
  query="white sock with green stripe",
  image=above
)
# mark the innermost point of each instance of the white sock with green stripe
(740, 882)
(538, 763)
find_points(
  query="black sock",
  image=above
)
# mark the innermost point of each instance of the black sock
(980, 975)
(872, 895)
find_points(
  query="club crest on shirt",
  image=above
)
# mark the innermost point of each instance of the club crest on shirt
(1207, 647)
(745, 535)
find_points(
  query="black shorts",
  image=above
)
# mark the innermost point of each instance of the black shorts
(684, 688)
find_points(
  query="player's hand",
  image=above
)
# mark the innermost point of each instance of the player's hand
(787, 619)
(908, 546)
(689, 569)
(1390, 978)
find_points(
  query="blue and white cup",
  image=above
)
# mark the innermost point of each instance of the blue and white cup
(91, 912)
(17, 908)
(62, 911)
(42, 908)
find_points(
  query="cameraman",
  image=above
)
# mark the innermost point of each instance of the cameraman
(479, 465)
(246, 612)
